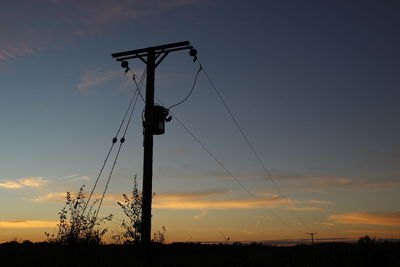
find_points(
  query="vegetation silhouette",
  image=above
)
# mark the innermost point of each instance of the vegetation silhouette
(77, 226)
(195, 255)
(132, 208)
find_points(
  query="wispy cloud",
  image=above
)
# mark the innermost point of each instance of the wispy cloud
(175, 197)
(184, 201)
(34, 182)
(10, 184)
(207, 204)
(70, 176)
(367, 218)
(320, 202)
(94, 16)
(201, 200)
(324, 183)
(61, 196)
(192, 195)
(27, 224)
(28, 27)
(50, 197)
(12, 51)
(207, 200)
(388, 232)
(94, 78)
(79, 178)
(315, 201)
(201, 215)
(354, 183)
(308, 208)
(325, 223)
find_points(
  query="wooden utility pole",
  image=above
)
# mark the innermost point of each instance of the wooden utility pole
(152, 57)
(312, 237)
(148, 150)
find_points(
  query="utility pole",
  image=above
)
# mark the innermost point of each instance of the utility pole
(152, 57)
(312, 237)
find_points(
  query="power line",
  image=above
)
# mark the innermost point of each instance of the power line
(191, 90)
(122, 140)
(114, 140)
(251, 146)
(214, 157)
(141, 82)
(248, 142)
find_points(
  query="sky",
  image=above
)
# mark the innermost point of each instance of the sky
(313, 84)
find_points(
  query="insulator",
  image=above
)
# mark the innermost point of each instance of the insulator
(124, 64)
(193, 52)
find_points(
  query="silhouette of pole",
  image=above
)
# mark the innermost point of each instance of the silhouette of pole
(148, 150)
(152, 57)
(312, 237)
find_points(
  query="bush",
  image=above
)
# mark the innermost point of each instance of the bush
(78, 225)
(160, 236)
(132, 207)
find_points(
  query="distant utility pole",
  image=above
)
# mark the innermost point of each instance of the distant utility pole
(154, 117)
(312, 237)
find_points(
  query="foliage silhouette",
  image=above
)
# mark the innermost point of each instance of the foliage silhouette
(160, 236)
(77, 227)
(132, 207)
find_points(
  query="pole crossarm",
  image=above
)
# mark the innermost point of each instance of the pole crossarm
(161, 49)
(312, 237)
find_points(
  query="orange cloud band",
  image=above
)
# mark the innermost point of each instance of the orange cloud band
(27, 224)
(372, 218)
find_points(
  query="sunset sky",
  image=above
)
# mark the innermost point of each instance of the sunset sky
(313, 84)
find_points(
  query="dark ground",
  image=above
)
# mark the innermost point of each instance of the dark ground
(328, 254)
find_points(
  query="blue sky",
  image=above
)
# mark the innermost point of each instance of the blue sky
(315, 86)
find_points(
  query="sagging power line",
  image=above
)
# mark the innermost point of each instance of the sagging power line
(122, 140)
(228, 172)
(130, 110)
(253, 150)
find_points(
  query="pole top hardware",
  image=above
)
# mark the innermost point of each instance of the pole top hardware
(140, 53)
